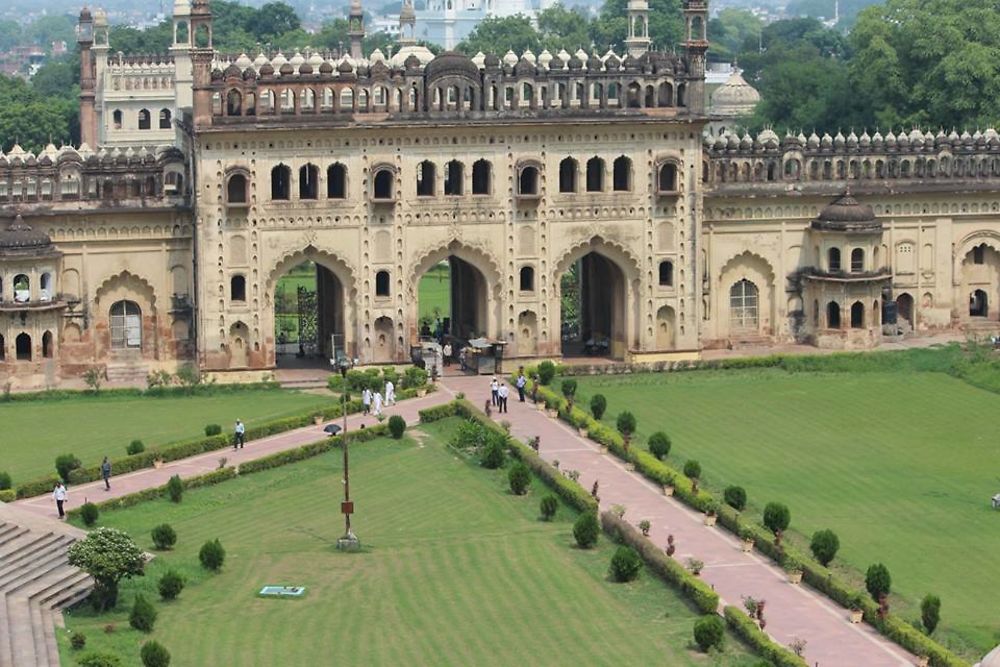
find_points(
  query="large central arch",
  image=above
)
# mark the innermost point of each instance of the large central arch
(475, 279)
(336, 294)
(607, 317)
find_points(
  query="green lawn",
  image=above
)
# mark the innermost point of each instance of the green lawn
(434, 291)
(35, 432)
(900, 465)
(457, 572)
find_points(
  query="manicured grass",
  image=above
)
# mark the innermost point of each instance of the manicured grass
(900, 465)
(457, 571)
(35, 432)
(434, 291)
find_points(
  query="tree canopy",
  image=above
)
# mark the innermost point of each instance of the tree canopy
(32, 114)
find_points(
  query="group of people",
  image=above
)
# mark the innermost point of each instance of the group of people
(499, 391)
(61, 495)
(373, 402)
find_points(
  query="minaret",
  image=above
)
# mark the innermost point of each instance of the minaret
(637, 41)
(181, 51)
(407, 24)
(696, 44)
(100, 52)
(88, 116)
(356, 29)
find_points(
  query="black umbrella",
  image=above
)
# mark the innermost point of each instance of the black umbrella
(332, 429)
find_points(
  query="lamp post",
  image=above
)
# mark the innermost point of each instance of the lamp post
(349, 542)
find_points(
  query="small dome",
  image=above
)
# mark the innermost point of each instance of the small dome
(20, 239)
(768, 138)
(287, 69)
(735, 97)
(266, 70)
(846, 214)
(345, 67)
(326, 68)
(813, 140)
(491, 61)
(243, 61)
(451, 63)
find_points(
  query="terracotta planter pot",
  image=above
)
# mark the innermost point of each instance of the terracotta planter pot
(630, 466)
(540, 406)
(604, 449)
(795, 577)
(421, 393)
(668, 490)
(923, 661)
(583, 432)
(317, 420)
(747, 546)
(554, 414)
(857, 616)
(710, 519)
(157, 464)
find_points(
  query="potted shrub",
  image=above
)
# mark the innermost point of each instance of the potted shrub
(711, 514)
(668, 486)
(695, 566)
(618, 511)
(157, 459)
(671, 547)
(923, 661)
(644, 526)
(317, 419)
(692, 470)
(750, 604)
(857, 610)
(794, 570)
(626, 423)
(748, 540)
(569, 391)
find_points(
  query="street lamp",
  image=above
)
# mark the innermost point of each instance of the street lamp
(349, 542)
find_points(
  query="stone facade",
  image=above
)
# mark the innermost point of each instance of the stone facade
(513, 170)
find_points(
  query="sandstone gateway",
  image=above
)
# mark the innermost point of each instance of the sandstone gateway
(203, 178)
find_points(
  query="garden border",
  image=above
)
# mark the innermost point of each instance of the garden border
(814, 574)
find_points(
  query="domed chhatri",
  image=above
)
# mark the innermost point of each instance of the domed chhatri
(847, 214)
(735, 97)
(18, 238)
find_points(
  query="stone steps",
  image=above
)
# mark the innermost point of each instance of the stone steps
(36, 582)
(127, 373)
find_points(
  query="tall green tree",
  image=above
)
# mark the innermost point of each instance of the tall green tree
(731, 31)
(500, 34)
(666, 25)
(563, 28)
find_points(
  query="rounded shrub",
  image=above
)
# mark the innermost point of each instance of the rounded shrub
(154, 654)
(143, 614)
(78, 640)
(135, 447)
(586, 529)
(625, 564)
(89, 514)
(659, 445)
(548, 507)
(175, 488)
(878, 582)
(520, 478)
(493, 455)
(164, 536)
(396, 426)
(598, 406)
(625, 423)
(709, 631)
(930, 612)
(777, 517)
(735, 497)
(824, 546)
(212, 555)
(569, 388)
(546, 371)
(99, 660)
(5, 481)
(692, 469)
(212, 429)
(170, 585)
(66, 463)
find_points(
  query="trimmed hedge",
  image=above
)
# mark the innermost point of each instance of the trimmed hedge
(693, 588)
(814, 574)
(762, 644)
(187, 448)
(8, 496)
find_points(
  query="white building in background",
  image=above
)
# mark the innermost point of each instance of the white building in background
(448, 22)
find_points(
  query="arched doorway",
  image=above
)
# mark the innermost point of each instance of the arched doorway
(593, 317)
(665, 324)
(22, 347)
(904, 308)
(744, 314)
(527, 334)
(833, 315)
(452, 296)
(979, 304)
(383, 347)
(239, 335)
(309, 300)
(857, 315)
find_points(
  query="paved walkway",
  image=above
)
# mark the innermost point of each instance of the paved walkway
(198, 465)
(792, 611)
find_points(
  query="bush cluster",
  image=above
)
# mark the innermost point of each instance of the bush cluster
(89, 514)
(625, 423)
(175, 488)
(659, 445)
(65, 464)
(586, 529)
(170, 585)
(99, 660)
(396, 426)
(824, 546)
(692, 469)
(878, 582)
(5, 481)
(598, 406)
(212, 429)
(135, 447)
(548, 507)
(546, 371)
(735, 497)
(78, 640)
(153, 654)
(777, 517)
(709, 631)
(493, 454)
(164, 537)
(747, 630)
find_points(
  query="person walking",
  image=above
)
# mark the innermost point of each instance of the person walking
(106, 473)
(60, 495)
(239, 434)
(521, 383)
(366, 400)
(377, 402)
(495, 391)
(390, 393)
(447, 354)
(502, 394)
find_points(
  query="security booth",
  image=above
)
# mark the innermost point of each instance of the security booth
(484, 356)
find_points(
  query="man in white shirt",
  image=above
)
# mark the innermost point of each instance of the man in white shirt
(390, 393)
(377, 401)
(60, 495)
(494, 391)
(239, 434)
(521, 382)
(366, 400)
(502, 394)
